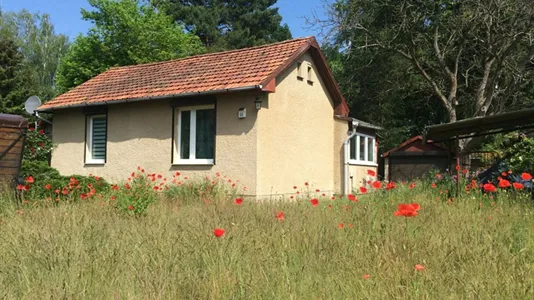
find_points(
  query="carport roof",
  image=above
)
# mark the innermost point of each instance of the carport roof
(479, 126)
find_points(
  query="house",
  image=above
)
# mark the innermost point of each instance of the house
(413, 159)
(271, 117)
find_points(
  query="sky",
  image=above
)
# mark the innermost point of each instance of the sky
(66, 17)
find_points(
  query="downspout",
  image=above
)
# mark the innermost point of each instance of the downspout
(346, 148)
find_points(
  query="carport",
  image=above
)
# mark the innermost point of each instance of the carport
(452, 133)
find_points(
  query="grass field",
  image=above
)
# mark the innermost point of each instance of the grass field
(471, 248)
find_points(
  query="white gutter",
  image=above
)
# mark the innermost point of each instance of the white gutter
(346, 149)
(85, 104)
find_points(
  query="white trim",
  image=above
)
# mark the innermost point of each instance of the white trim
(193, 162)
(362, 163)
(89, 143)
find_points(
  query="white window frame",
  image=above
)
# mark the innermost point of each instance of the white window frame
(357, 138)
(192, 137)
(89, 160)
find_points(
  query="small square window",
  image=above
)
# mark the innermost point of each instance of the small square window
(96, 139)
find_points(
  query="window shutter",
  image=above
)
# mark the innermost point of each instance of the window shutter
(98, 145)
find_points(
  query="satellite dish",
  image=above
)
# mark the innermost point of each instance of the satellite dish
(32, 104)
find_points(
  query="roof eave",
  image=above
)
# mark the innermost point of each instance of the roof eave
(257, 87)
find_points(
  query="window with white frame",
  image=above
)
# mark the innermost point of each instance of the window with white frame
(195, 135)
(362, 149)
(96, 138)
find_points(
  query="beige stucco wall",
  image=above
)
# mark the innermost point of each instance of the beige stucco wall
(295, 135)
(139, 134)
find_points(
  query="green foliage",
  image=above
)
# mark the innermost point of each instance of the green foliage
(229, 24)
(516, 149)
(405, 65)
(38, 146)
(125, 32)
(135, 196)
(14, 88)
(40, 46)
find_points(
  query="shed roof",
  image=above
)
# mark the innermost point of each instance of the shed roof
(467, 128)
(246, 69)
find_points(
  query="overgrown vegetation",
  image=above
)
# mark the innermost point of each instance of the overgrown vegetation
(476, 246)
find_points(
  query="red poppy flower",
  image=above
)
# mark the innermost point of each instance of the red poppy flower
(130, 207)
(127, 186)
(433, 185)
(41, 132)
(503, 183)
(341, 225)
(29, 179)
(41, 145)
(238, 201)
(488, 187)
(83, 196)
(518, 186)
(438, 176)
(112, 198)
(363, 190)
(317, 190)
(464, 171)
(333, 198)
(526, 176)
(457, 168)
(419, 267)
(314, 202)
(390, 185)
(48, 186)
(504, 174)
(306, 184)
(31, 129)
(56, 191)
(377, 184)
(218, 232)
(412, 185)
(371, 173)
(407, 210)
(295, 187)
(20, 187)
(366, 276)
(352, 198)
(280, 216)
(115, 187)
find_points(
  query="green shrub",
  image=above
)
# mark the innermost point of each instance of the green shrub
(38, 145)
(44, 183)
(135, 196)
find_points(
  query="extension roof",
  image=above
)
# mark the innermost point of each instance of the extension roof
(238, 70)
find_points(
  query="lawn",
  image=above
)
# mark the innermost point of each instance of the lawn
(474, 247)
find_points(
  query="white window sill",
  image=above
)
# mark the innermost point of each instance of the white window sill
(94, 163)
(194, 162)
(362, 163)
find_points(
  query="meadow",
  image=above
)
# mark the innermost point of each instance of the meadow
(476, 246)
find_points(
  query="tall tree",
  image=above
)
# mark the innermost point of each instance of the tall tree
(13, 77)
(40, 47)
(229, 24)
(125, 32)
(475, 56)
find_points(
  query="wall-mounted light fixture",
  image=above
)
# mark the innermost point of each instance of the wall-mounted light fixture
(258, 103)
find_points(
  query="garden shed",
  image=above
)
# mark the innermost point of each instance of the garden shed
(12, 133)
(413, 159)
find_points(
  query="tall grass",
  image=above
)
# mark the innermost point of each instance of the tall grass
(471, 248)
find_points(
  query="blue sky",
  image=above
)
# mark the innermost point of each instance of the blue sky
(65, 14)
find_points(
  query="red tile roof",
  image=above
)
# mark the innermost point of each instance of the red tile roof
(250, 68)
